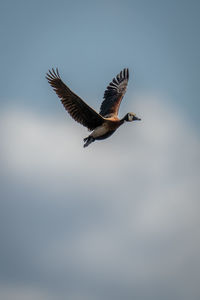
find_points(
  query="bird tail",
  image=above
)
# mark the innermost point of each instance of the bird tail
(88, 140)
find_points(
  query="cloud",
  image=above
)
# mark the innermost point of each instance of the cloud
(23, 293)
(118, 218)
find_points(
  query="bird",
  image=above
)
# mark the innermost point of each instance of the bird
(104, 123)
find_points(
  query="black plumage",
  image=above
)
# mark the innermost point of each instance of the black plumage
(114, 94)
(76, 107)
(102, 124)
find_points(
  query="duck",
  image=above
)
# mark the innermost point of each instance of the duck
(103, 124)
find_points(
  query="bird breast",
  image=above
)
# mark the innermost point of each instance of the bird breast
(100, 131)
(107, 127)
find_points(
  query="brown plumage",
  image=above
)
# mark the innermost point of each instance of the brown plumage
(102, 124)
(114, 94)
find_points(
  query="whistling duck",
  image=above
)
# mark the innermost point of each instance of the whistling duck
(104, 123)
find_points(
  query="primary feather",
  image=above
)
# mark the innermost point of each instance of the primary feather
(114, 94)
(76, 107)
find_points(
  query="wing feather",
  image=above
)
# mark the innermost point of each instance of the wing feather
(76, 107)
(114, 94)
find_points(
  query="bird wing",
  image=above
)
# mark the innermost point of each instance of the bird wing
(76, 107)
(114, 94)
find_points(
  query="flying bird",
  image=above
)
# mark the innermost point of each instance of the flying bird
(104, 123)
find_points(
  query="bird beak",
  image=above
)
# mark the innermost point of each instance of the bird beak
(136, 118)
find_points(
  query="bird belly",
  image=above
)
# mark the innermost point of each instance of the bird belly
(106, 135)
(102, 132)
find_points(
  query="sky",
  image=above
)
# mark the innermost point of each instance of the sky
(119, 219)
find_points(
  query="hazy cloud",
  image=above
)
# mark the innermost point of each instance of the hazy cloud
(118, 219)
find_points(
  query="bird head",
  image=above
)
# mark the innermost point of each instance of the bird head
(131, 117)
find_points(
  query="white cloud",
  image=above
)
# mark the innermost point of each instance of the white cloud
(143, 181)
(22, 292)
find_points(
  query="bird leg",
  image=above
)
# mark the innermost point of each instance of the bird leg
(88, 140)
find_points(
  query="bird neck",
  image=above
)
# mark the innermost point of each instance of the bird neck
(124, 119)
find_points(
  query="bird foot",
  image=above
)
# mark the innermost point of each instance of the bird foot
(88, 140)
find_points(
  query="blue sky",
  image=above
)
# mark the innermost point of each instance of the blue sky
(91, 41)
(120, 219)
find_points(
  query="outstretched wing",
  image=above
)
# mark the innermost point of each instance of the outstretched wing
(76, 107)
(114, 94)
